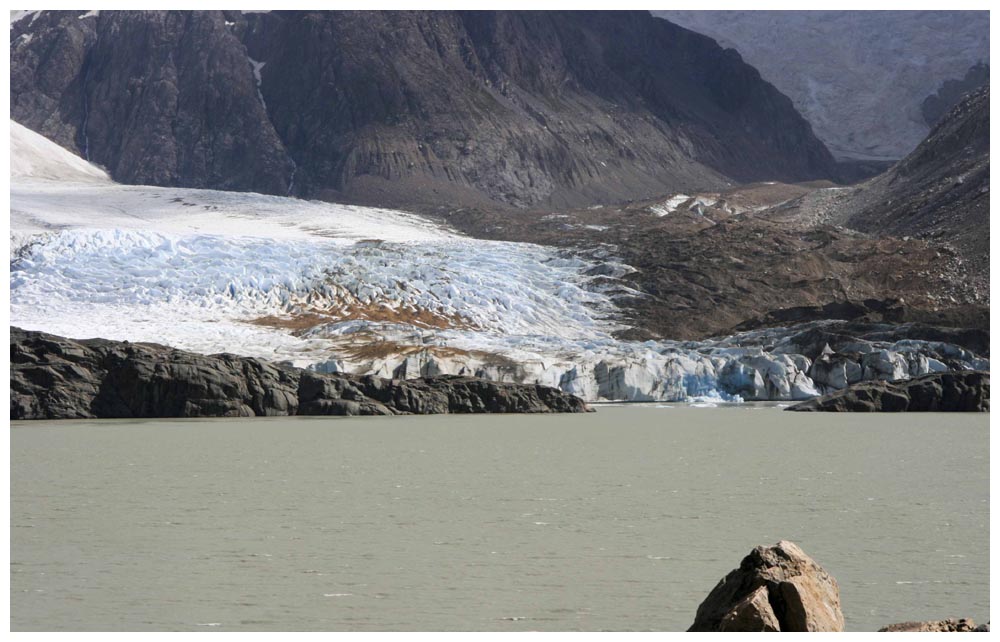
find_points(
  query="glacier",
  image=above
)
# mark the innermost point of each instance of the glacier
(363, 290)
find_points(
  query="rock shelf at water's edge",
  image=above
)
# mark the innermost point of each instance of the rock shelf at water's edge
(936, 392)
(57, 378)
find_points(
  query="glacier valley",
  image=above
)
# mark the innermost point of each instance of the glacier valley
(338, 288)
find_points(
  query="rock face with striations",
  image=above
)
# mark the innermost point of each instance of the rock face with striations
(936, 392)
(56, 378)
(776, 588)
(407, 108)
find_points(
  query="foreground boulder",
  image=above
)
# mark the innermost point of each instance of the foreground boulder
(951, 625)
(57, 378)
(776, 588)
(937, 392)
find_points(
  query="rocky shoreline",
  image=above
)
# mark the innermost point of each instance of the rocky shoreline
(935, 392)
(57, 378)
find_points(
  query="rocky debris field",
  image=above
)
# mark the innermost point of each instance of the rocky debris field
(936, 392)
(712, 263)
(708, 263)
(57, 378)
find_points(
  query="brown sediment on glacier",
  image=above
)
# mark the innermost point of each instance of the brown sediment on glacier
(302, 321)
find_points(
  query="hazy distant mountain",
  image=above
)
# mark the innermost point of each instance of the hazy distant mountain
(859, 77)
(407, 108)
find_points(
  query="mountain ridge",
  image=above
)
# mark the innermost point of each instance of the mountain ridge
(485, 108)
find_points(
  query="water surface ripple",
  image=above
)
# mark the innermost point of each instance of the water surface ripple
(622, 519)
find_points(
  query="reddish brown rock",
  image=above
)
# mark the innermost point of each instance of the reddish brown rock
(776, 588)
(752, 613)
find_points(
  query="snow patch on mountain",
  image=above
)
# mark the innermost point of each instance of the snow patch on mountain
(34, 156)
(17, 15)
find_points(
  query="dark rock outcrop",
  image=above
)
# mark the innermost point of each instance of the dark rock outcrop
(776, 588)
(413, 108)
(951, 625)
(57, 378)
(964, 325)
(846, 337)
(938, 104)
(937, 392)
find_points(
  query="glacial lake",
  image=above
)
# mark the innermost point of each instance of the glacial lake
(623, 519)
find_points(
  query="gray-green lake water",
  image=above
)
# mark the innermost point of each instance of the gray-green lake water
(623, 519)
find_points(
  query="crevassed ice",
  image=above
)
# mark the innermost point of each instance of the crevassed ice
(508, 311)
(500, 288)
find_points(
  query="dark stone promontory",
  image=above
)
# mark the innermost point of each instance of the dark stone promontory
(57, 378)
(967, 391)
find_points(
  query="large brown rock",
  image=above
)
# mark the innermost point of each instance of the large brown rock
(776, 588)
(951, 625)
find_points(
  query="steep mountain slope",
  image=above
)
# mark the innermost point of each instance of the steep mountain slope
(859, 77)
(421, 108)
(940, 191)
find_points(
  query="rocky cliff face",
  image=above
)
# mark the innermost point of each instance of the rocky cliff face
(56, 378)
(859, 77)
(519, 108)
